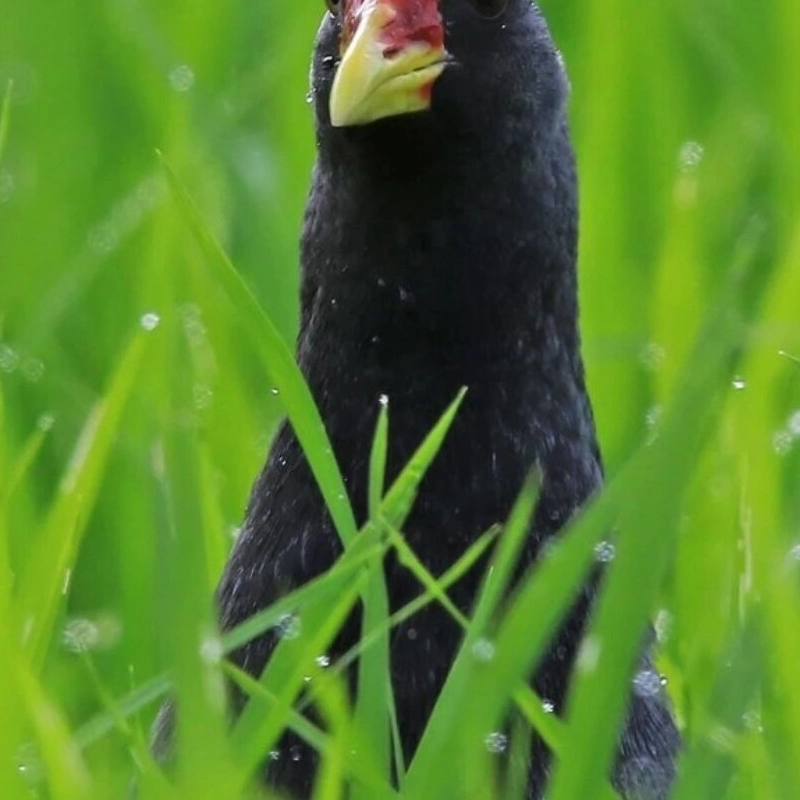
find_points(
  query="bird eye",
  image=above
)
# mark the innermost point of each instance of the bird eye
(333, 5)
(489, 8)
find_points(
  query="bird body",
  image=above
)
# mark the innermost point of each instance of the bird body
(438, 251)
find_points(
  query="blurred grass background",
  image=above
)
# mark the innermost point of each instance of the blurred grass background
(686, 124)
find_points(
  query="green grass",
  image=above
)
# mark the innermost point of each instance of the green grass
(147, 310)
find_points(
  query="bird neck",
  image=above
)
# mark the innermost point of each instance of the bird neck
(458, 264)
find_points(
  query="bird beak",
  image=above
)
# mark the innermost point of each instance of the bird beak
(392, 52)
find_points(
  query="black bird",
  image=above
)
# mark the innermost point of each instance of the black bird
(438, 251)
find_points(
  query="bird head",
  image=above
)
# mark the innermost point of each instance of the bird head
(453, 66)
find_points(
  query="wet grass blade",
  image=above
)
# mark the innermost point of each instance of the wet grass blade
(140, 698)
(158, 688)
(41, 586)
(645, 547)
(24, 462)
(397, 503)
(375, 709)
(453, 574)
(343, 571)
(67, 776)
(710, 763)
(377, 462)
(279, 363)
(529, 703)
(363, 770)
(424, 780)
(255, 734)
(156, 780)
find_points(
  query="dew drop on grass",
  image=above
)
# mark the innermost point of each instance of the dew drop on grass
(752, 721)
(9, 358)
(80, 635)
(722, 739)
(663, 625)
(274, 391)
(274, 755)
(7, 185)
(211, 650)
(483, 650)
(647, 683)
(103, 238)
(193, 325)
(323, 661)
(181, 78)
(652, 421)
(203, 396)
(548, 706)
(605, 552)
(46, 422)
(496, 742)
(782, 442)
(739, 383)
(384, 400)
(29, 764)
(150, 320)
(32, 369)
(289, 626)
(690, 156)
(589, 654)
(653, 356)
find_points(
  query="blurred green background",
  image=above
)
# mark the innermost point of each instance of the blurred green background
(686, 122)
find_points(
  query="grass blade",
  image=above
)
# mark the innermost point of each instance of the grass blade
(24, 462)
(40, 589)
(399, 499)
(68, 778)
(254, 734)
(142, 697)
(423, 776)
(5, 118)
(375, 709)
(646, 545)
(363, 770)
(279, 363)
(377, 461)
